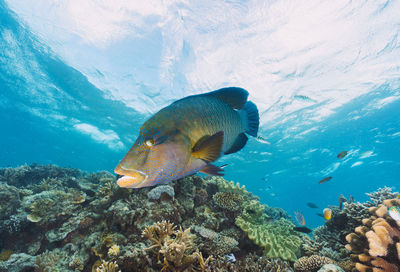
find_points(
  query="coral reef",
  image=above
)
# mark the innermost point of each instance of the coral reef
(61, 219)
(276, 238)
(156, 192)
(312, 263)
(228, 200)
(330, 239)
(376, 243)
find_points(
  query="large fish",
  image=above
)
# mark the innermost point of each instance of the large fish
(187, 136)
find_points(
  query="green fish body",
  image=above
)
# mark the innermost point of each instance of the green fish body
(186, 136)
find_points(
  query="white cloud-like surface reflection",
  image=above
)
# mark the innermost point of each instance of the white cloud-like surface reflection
(300, 60)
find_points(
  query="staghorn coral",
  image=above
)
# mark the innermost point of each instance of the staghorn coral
(379, 196)
(376, 243)
(228, 200)
(312, 263)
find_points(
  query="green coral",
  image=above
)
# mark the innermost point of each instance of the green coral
(253, 212)
(225, 186)
(276, 238)
(228, 200)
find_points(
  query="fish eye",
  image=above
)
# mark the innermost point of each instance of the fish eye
(150, 142)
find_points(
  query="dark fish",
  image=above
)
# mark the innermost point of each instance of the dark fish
(351, 199)
(324, 180)
(187, 136)
(320, 215)
(302, 229)
(342, 154)
(312, 205)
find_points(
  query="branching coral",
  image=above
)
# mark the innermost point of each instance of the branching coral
(176, 246)
(379, 196)
(107, 267)
(377, 242)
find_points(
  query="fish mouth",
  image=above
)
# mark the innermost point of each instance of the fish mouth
(130, 178)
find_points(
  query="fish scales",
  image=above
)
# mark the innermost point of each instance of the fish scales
(185, 137)
(201, 116)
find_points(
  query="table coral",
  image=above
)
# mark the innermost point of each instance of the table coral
(376, 243)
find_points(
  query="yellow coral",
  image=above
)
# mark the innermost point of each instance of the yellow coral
(5, 254)
(176, 246)
(108, 267)
(113, 251)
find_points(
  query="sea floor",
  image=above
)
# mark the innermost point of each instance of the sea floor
(61, 219)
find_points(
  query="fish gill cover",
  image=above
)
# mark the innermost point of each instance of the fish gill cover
(79, 78)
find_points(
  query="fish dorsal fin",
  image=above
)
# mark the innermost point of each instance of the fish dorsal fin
(209, 148)
(212, 170)
(233, 96)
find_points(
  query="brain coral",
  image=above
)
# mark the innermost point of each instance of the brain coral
(376, 243)
(312, 263)
(228, 200)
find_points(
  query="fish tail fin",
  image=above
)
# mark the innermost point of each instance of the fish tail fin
(251, 117)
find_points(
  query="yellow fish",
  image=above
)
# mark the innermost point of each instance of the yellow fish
(327, 213)
(186, 136)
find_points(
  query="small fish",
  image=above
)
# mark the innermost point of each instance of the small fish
(351, 199)
(327, 213)
(187, 136)
(342, 154)
(320, 215)
(324, 180)
(312, 205)
(398, 196)
(394, 212)
(300, 218)
(262, 140)
(302, 229)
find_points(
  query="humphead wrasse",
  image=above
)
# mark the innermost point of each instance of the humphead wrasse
(187, 136)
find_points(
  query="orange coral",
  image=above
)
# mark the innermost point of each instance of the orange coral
(376, 243)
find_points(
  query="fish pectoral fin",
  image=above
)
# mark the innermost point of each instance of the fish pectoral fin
(239, 143)
(209, 148)
(233, 96)
(212, 170)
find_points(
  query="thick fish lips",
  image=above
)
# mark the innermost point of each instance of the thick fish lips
(130, 178)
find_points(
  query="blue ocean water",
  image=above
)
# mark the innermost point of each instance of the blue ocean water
(75, 93)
